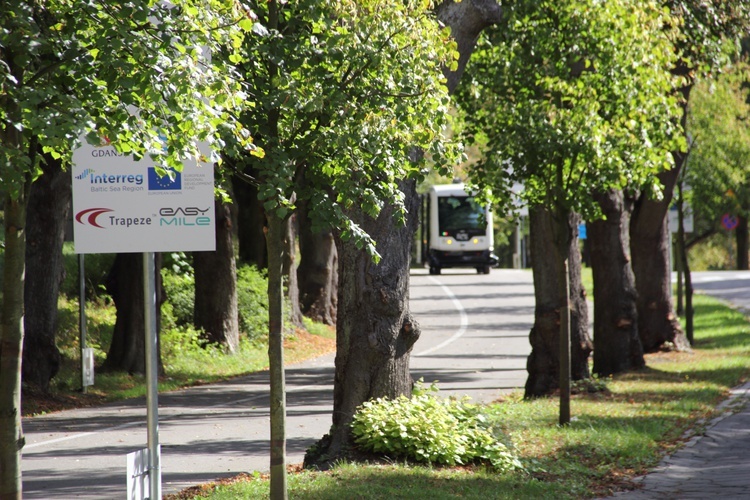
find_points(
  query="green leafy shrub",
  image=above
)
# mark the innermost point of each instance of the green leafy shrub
(429, 429)
(180, 291)
(177, 343)
(252, 301)
(95, 268)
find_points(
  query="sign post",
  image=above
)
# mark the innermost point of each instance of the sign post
(152, 375)
(124, 206)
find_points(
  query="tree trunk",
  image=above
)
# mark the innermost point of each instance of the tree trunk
(216, 285)
(290, 271)
(125, 286)
(275, 236)
(682, 249)
(649, 246)
(11, 346)
(317, 273)
(375, 330)
(742, 243)
(466, 20)
(46, 218)
(250, 222)
(543, 363)
(617, 346)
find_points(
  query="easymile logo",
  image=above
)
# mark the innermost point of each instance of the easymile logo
(184, 216)
(169, 212)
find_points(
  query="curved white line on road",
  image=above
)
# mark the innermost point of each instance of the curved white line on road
(166, 418)
(464, 320)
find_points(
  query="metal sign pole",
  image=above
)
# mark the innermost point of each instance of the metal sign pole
(82, 318)
(152, 376)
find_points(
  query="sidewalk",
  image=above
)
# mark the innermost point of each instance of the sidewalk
(715, 464)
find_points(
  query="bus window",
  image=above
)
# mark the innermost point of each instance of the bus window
(460, 213)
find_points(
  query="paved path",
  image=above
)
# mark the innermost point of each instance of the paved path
(716, 463)
(474, 342)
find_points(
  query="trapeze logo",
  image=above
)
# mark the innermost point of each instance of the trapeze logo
(90, 216)
(184, 216)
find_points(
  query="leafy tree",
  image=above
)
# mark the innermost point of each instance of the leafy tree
(572, 98)
(704, 26)
(345, 91)
(68, 69)
(717, 169)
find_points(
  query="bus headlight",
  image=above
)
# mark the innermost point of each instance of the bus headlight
(475, 241)
(449, 241)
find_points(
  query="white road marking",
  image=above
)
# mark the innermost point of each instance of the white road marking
(464, 320)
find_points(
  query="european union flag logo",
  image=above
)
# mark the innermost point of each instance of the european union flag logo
(156, 183)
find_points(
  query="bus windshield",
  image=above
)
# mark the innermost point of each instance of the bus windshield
(460, 213)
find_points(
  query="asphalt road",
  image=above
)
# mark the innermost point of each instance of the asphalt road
(731, 286)
(474, 342)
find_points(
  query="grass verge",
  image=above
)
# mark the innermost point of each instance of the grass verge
(615, 435)
(186, 362)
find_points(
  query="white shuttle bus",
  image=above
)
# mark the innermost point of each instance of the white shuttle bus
(456, 230)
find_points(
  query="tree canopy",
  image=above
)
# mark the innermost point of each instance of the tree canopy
(346, 91)
(571, 98)
(717, 169)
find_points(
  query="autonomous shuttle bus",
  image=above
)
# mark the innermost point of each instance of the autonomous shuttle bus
(456, 230)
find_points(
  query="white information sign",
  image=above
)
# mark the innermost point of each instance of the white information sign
(138, 475)
(88, 366)
(122, 205)
(673, 220)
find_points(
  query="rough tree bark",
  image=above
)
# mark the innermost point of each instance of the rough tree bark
(466, 20)
(275, 235)
(649, 246)
(289, 257)
(617, 346)
(125, 286)
(317, 273)
(46, 218)
(250, 222)
(11, 346)
(543, 363)
(215, 309)
(741, 237)
(375, 330)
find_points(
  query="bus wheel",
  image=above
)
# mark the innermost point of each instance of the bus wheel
(434, 270)
(483, 270)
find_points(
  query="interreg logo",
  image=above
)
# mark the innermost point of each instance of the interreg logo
(95, 178)
(85, 173)
(164, 183)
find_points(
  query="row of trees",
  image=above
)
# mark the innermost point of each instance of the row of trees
(346, 104)
(340, 97)
(585, 104)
